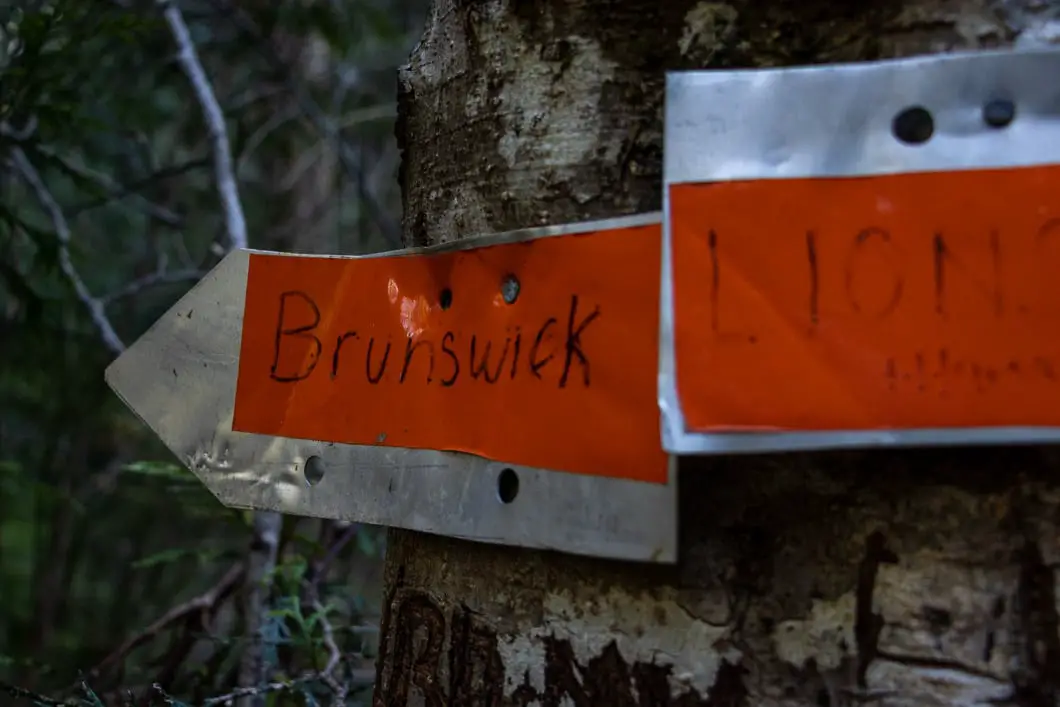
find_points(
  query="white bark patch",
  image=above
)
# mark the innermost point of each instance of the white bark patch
(550, 108)
(826, 635)
(548, 103)
(645, 629)
(707, 26)
(938, 610)
(925, 686)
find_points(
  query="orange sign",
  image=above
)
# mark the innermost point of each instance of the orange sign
(891, 302)
(540, 353)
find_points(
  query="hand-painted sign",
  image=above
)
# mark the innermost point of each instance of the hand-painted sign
(538, 354)
(500, 389)
(886, 280)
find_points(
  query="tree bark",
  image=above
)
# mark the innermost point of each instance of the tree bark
(917, 577)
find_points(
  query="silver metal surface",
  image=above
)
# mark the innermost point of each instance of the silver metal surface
(836, 120)
(180, 378)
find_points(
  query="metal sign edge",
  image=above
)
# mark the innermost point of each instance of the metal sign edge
(688, 113)
(445, 493)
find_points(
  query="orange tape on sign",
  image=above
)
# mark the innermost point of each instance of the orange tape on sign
(891, 302)
(425, 351)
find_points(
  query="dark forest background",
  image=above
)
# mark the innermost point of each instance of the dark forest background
(122, 580)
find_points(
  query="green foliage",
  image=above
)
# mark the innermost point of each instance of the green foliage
(102, 532)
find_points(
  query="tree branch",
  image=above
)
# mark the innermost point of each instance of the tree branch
(326, 125)
(114, 190)
(188, 58)
(262, 556)
(205, 603)
(47, 202)
(22, 694)
(156, 278)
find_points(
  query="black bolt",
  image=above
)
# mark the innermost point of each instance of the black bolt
(999, 113)
(913, 125)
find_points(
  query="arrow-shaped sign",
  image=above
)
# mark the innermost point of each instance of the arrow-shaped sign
(501, 389)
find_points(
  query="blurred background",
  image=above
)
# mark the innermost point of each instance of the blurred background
(119, 571)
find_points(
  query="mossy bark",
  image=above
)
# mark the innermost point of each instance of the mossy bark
(918, 577)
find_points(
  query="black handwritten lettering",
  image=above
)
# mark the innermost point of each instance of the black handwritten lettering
(299, 332)
(515, 352)
(1049, 228)
(447, 339)
(941, 371)
(573, 344)
(944, 258)
(338, 347)
(811, 257)
(940, 274)
(481, 368)
(715, 279)
(411, 346)
(491, 359)
(857, 250)
(715, 296)
(536, 364)
(374, 380)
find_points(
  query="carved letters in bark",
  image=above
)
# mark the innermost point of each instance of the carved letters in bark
(419, 643)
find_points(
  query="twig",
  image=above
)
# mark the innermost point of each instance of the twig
(261, 563)
(347, 535)
(156, 278)
(62, 231)
(327, 675)
(114, 190)
(361, 679)
(316, 573)
(324, 124)
(224, 174)
(19, 134)
(134, 187)
(203, 603)
(21, 694)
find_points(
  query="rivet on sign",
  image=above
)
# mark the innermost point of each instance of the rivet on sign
(510, 289)
(999, 112)
(507, 485)
(913, 125)
(313, 470)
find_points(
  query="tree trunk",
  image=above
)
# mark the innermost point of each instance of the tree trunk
(919, 577)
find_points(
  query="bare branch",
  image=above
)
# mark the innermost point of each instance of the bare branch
(224, 173)
(327, 675)
(47, 202)
(204, 603)
(135, 186)
(19, 134)
(325, 125)
(261, 563)
(156, 278)
(21, 694)
(115, 191)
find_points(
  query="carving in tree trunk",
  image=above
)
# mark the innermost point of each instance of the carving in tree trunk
(919, 577)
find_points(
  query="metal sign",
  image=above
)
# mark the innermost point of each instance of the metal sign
(500, 389)
(862, 254)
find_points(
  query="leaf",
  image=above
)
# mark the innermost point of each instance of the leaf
(166, 557)
(366, 543)
(162, 470)
(91, 699)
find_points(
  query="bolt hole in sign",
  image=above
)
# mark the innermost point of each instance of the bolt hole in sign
(863, 254)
